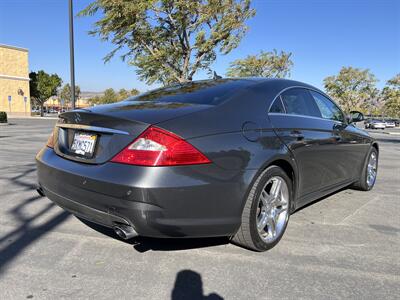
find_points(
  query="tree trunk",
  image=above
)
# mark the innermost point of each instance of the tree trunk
(41, 110)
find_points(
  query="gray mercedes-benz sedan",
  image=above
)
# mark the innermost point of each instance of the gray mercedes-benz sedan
(225, 157)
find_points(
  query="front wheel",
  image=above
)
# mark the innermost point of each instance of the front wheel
(266, 212)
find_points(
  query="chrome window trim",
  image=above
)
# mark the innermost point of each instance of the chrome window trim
(283, 104)
(309, 89)
(92, 128)
(275, 99)
(306, 116)
(282, 91)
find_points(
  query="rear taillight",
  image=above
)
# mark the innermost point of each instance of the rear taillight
(50, 141)
(158, 147)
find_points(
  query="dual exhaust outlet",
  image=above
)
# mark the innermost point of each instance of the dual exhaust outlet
(125, 232)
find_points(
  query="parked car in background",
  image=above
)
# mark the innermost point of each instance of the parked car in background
(226, 157)
(375, 124)
(394, 121)
(389, 123)
(62, 111)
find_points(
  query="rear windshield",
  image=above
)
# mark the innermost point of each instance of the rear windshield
(211, 92)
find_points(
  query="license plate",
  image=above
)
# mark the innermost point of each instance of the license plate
(84, 143)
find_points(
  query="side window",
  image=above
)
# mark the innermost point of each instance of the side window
(298, 101)
(328, 109)
(277, 106)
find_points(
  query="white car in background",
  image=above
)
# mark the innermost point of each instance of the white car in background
(390, 124)
(375, 124)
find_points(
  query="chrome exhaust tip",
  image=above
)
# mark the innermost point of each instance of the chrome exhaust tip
(125, 232)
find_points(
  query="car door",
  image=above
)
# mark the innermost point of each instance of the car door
(297, 121)
(351, 147)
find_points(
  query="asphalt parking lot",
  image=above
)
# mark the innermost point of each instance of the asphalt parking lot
(344, 246)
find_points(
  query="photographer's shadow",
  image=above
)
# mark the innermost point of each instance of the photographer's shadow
(188, 285)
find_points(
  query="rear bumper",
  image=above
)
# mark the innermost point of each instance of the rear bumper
(80, 210)
(187, 201)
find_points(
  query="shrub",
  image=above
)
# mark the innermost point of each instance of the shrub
(3, 117)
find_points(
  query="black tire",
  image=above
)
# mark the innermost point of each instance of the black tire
(362, 184)
(247, 235)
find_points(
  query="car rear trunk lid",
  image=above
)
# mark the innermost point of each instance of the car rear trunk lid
(110, 135)
(113, 126)
(150, 112)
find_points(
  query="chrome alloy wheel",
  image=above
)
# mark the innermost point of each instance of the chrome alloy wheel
(273, 209)
(371, 169)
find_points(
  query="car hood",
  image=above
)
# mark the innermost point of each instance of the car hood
(150, 112)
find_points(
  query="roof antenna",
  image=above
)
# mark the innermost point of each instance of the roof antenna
(216, 76)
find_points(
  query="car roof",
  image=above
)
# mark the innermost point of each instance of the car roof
(227, 91)
(255, 80)
(265, 82)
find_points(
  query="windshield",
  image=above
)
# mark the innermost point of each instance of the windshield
(210, 92)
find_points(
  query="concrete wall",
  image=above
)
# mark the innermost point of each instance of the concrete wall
(14, 80)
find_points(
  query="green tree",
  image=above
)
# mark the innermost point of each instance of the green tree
(134, 92)
(65, 93)
(372, 103)
(95, 100)
(42, 86)
(265, 64)
(110, 96)
(123, 94)
(353, 88)
(170, 40)
(391, 97)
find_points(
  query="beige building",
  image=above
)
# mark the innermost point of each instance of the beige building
(14, 80)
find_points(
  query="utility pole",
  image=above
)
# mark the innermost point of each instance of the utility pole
(71, 53)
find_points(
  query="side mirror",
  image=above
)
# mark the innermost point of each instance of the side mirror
(355, 116)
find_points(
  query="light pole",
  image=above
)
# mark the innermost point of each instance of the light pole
(71, 52)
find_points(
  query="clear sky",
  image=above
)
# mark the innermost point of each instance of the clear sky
(323, 35)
